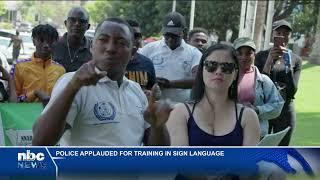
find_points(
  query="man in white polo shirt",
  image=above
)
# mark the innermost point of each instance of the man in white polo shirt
(174, 60)
(97, 105)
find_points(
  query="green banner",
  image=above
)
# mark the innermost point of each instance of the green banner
(16, 121)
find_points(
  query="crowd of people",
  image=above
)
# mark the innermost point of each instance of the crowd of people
(113, 91)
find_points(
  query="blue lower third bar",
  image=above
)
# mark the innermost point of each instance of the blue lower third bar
(30, 161)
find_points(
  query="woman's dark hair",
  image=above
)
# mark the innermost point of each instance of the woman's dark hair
(45, 31)
(199, 86)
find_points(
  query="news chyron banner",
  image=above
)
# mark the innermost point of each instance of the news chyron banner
(135, 161)
(16, 121)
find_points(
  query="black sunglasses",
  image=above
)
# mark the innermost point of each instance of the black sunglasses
(170, 35)
(212, 66)
(73, 20)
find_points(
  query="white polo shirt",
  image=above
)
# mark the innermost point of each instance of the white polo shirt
(105, 114)
(173, 65)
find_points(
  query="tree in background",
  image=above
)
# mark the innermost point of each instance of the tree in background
(305, 19)
(53, 12)
(209, 14)
(2, 10)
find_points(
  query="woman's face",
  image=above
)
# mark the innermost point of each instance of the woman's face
(245, 56)
(219, 70)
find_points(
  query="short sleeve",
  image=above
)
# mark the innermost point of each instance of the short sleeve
(145, 50)
(57, 89)
(196, 58)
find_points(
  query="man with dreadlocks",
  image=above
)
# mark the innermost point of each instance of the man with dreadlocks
(35, 77)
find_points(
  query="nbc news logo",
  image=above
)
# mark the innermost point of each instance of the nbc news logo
(29, 160)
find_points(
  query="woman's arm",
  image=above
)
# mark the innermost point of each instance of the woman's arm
(251, 127)
(177, 126)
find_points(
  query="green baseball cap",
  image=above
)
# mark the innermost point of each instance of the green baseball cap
(244, 41)
(277, 24)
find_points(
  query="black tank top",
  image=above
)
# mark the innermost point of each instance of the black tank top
(197, 137)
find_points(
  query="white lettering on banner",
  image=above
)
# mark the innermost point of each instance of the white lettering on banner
(66, 153)
(99, 153)
(30, 160)
(148, 153)
(180, 153)
(29, 156)
(206, 153)
(141, 153)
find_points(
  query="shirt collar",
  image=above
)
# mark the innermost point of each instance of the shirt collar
(85, 44)
(39, 60)
(106, 79)
(258, 74)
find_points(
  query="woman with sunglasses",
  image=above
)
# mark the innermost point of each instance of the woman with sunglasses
(214, 118)
(256, 90)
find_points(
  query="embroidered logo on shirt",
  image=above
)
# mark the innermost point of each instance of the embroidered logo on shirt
(104, 111)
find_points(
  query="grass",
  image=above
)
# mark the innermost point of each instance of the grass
(307, 105)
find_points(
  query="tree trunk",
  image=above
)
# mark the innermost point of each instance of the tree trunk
(268, 32)
(247, 18)
(259, 26)
(315, 53)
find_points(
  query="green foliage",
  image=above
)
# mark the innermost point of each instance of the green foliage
(307, 103)
(305, 19)
(208, 14)
(98, 10)
(2, 10)
(49, 11)
(6, 25)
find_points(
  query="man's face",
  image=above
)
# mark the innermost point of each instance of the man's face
(283, 31)
(77, 23)
(111, 47)
(173, 40)
(199, 40)
(43, 47)
(137, 39)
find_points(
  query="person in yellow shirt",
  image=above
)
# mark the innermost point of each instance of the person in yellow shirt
(35, 77)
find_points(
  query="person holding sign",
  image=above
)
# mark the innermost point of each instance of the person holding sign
(284, 68)
(97, 105)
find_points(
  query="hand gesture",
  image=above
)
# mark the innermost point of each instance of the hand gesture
(157, 112)
(163, 82)
(88, 74)
(276, 53)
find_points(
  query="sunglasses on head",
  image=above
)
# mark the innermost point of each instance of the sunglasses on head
(212, 66)
(73, 20)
